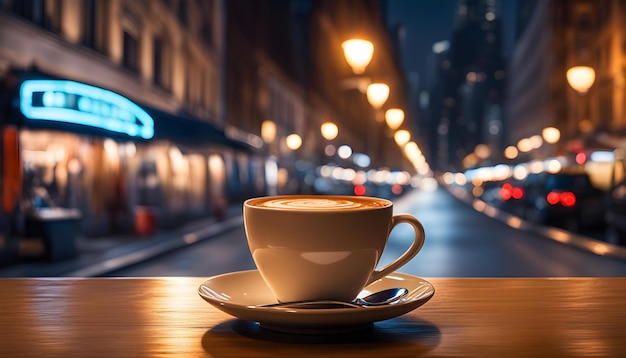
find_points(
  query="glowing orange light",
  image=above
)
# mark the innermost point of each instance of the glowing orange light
(581, 78)
(358, 54)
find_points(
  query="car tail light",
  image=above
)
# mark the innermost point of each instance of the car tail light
(508, 191)
(565, 198)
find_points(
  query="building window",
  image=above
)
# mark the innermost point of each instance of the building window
(46, 14)
(95, 15)
(130, 58)
(89, 23)
(161, 65)
(32, 10)
(206, 29)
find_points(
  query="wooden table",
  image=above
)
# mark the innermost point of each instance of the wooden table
(136, 317)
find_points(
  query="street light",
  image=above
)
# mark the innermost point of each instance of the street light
(293, 141)
(377, 94)
(268, 131)
(402, 137)
(358, 54)
(511, 152)
(551, 135)
(329, 130)
(394, 118)
(581, 78)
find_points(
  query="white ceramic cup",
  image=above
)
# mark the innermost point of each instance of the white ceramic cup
(323, 247)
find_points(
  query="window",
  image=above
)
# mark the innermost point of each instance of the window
(46, 14)
(89, 23)
(33, 10)
(130, 57)
(206, 29)
(161, 65)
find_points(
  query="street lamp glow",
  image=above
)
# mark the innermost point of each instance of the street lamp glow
(358, 54)
(377, 94)
(329, 130)
(524, 145)
(402, 137)
(482, 151)
(511, 152)
(536, 141)
(581, 78)
(551, 135)
(293, 141)
(394, 118)
(268, 131)
(412, 150)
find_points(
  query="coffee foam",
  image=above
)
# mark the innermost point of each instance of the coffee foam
(312, 203)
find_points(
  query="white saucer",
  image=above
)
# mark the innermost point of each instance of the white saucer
(238, 293)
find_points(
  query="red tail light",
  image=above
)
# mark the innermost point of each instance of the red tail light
(508, 191)
(359, 190)
(565, 198)
(568, 199)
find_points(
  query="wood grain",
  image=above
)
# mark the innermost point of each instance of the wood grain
(467, 317)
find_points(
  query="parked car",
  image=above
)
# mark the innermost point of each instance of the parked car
(616, 201)
(616, 214)
(567, 200)
(513, 194)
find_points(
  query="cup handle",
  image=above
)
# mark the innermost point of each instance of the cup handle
(418, 242)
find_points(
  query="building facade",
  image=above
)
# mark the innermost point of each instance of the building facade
(553, 37)
(77, 59)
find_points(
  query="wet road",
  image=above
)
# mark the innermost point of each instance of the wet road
(460, 242)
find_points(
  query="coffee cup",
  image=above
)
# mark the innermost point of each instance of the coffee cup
(323, 247)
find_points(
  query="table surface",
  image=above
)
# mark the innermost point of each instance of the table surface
(467, 317)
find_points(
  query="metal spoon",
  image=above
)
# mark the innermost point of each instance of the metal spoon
(379, 298)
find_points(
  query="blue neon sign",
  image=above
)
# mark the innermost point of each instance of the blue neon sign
(78, 103)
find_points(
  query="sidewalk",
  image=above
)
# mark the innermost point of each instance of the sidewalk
(98, 256)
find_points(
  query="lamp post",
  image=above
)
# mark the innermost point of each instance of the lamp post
(581, 78)
(268, 133)
(550, 135)
(329, 132)
(377, 94)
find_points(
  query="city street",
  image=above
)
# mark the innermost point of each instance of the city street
(460, 242)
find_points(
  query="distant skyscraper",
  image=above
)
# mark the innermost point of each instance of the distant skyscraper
(471, 77)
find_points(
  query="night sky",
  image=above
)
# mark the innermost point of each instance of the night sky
(430, 21)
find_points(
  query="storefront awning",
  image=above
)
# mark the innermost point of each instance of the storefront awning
(186, 130)
(41, 101)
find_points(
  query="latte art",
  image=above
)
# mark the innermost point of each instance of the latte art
(321, 203)
(313, 204)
